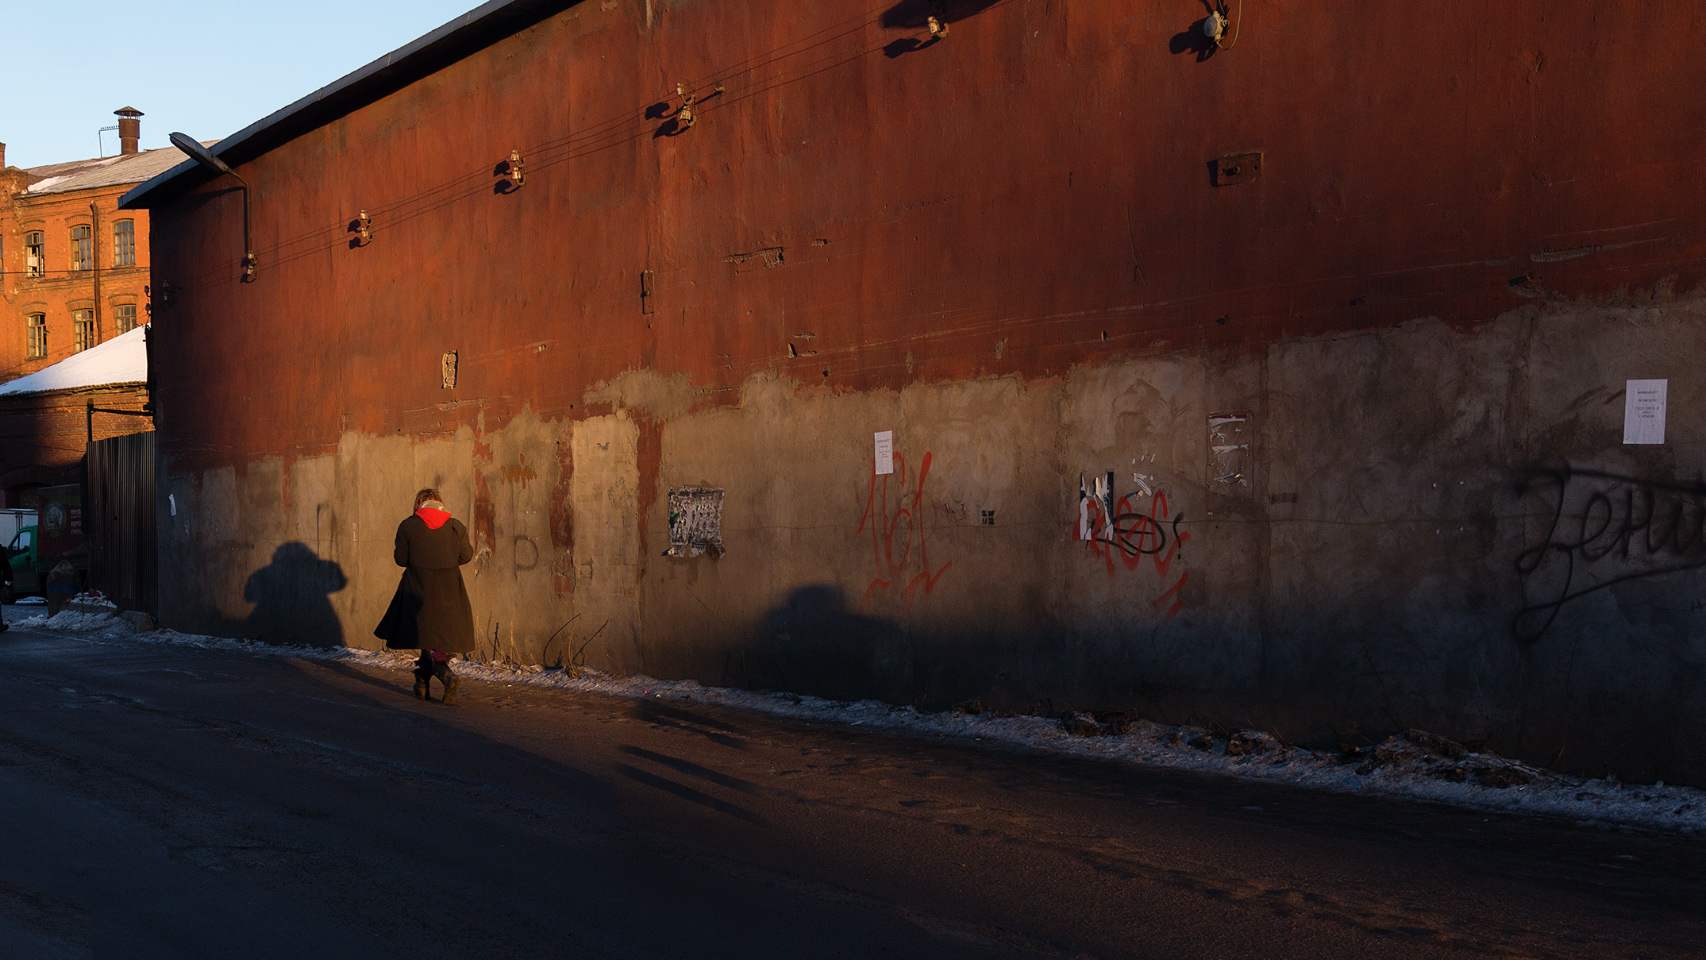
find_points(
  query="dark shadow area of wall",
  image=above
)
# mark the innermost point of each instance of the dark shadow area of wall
(1321, 687)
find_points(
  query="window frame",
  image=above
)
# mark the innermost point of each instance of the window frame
(36, 346)
(83, 332)
(36, 251)
(82, 247)
(121, 312)
(124, 243)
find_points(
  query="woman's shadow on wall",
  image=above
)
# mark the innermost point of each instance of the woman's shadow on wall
(292, 600)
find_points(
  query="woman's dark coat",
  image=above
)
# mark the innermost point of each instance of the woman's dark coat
(430, 610)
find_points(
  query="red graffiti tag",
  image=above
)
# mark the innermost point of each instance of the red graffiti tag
(897, 530)
(1127, 536)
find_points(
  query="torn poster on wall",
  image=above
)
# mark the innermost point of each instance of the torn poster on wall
(1119, 532)
(885, 453)
(1644, 411)
(1229, 448)
(695, 522)
(1103, 497)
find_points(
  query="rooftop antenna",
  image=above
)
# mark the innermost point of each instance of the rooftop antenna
(102, 141)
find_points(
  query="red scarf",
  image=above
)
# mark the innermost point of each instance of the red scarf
(433, 516)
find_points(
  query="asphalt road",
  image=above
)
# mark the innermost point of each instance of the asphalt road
(166, 801)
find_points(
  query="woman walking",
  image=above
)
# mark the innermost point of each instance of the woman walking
(430, 611)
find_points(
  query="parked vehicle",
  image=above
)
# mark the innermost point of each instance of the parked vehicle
(11, 521)
(26, 573)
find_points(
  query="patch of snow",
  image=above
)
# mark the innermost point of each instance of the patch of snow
(1413, 766)
(123, 359)
(32, 601)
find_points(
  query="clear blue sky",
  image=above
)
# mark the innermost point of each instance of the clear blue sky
(206, 68)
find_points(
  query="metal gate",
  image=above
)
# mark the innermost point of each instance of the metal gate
(119, 515)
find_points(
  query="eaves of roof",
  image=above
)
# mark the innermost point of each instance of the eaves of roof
(473, 31)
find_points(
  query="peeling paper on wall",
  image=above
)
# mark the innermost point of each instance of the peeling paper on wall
(1229, 448)
(1104, 498)
(695, 522)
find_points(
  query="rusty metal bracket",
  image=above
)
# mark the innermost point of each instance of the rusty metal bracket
(1237, 168)
(684, 117)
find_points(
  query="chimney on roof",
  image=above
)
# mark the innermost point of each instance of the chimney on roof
(129, 131)
(2, 156)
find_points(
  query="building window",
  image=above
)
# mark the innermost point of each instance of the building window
(82, 248)
(124, 243)
(83, 329)
(38, 336)
(35, 254)
(124, 317)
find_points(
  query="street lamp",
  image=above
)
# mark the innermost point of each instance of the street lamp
(205, 157)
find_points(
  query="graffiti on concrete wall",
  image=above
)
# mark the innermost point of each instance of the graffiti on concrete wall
(1598, 530)
(1122, 535)
(899, 543)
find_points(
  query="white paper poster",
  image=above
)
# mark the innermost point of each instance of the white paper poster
(885, 452)
(1644, 411)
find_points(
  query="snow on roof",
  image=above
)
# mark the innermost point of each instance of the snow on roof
(123, 359)
(101, 172)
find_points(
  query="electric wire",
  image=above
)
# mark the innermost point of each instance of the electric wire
(615, 130)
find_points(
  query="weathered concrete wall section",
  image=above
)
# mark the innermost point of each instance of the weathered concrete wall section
(1343, 537)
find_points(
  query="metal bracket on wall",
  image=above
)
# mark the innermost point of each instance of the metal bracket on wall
(684, 116)
(1237, 168)
(510, 173)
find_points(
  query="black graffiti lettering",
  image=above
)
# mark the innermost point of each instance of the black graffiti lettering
(1586, 544)
(1601, 530)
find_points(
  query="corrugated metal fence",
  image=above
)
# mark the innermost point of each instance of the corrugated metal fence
(119, 516)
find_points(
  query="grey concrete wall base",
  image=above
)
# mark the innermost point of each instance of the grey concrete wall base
(1333, 540)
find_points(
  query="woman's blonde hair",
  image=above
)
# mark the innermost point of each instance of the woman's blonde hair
(425, 495)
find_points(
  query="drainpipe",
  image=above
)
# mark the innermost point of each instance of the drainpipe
(95, 254)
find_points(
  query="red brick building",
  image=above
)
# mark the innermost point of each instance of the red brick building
(75, 268)
(73, 275)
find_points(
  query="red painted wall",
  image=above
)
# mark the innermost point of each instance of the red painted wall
(1031, 193)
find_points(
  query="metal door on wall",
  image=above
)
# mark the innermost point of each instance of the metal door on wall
(119, 517)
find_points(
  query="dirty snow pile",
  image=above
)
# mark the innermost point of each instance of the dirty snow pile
(1415, 765)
